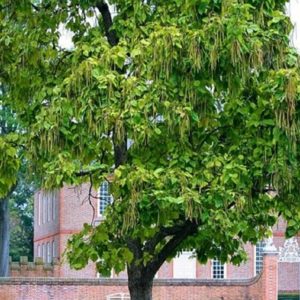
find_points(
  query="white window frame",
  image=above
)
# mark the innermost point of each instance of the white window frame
(53, 249)
(44, 254)
(100, 213)
(44, 205)
(49, 252)
(54, 204)
(255, 258)
(49, 206)
(224, 270)
(40, 210)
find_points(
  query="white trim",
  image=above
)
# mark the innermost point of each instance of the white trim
(118, 296)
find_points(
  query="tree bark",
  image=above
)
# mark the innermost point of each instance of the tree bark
(140, 283)
(4, 237)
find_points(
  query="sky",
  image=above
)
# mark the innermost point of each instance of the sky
(294, 12)
(293, 9)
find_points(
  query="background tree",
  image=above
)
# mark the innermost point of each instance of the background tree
(15, 193)
(206, 93)
(21, 219)
(9, 167)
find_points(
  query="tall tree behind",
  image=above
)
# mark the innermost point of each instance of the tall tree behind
(8, 154)
(4, 237)
(21, 219)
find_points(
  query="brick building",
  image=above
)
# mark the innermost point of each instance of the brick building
(60, 214)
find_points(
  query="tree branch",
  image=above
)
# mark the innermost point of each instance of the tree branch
(89, 197)
(35, 7)
(160, 235)
(134, 246)
(211, 133)
(189, 228)
(107, 21)
(120, 148)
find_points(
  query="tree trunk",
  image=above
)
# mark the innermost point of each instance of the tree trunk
(140, 284)
(4, 238)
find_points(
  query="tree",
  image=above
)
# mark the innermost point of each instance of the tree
(21, 218)
(15, 193)
(9, 168)
(206, 93)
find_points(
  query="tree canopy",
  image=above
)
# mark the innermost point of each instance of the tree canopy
(191, 107)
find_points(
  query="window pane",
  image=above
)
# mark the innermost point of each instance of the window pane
(48, 253)
(54, 204)
(53, 249)
(49, 208)
(104, 197)
(259, 256)
(218, 269)
(40, 210)
(184, 266)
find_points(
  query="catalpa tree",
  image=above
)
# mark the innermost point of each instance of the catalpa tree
(190, 107)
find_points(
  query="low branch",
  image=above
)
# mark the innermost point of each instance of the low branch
(135, 247)
(90, 201)
(160, 235)
(189, 228)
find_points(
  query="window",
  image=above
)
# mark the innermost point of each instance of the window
(49, 206)
(40, 211)
(218, 269)
(47, 203)
(184, 265)
(54, 204)
(48, 253)
(259, 257)
(44, 205)
(44, 255)
(104, 197)
(53, 249)
(38, 251)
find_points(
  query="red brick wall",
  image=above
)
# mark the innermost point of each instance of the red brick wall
(23, 268)
(72, 289)
(75, 208)
(263, 287)
(245, 270)
(270, 277)
(45, 226)
(72, 210)
(289, 273)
